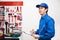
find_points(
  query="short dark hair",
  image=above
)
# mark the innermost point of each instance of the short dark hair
(2, 7)
(47, 9)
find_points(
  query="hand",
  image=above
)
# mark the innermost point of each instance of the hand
(36, 36)
(32, 32)
(1, 34)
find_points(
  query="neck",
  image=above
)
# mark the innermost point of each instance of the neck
(43, 14)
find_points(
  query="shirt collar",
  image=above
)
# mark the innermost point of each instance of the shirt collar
(44, 16)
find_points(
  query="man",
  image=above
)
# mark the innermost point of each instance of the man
(46, 25)
(1, 21)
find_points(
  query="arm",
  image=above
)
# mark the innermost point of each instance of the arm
(50, 31)
(35, 34)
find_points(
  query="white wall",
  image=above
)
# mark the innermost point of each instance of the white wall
(31, 16)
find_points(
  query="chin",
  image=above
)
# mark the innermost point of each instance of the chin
(41, 13)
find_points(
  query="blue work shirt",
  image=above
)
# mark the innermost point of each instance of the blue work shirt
(46, 27)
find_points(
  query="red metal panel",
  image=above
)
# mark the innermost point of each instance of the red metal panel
(18, 3)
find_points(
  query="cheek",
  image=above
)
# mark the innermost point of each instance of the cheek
(41, 11)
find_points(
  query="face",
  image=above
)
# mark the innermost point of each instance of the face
(1, 10)
(42, 10)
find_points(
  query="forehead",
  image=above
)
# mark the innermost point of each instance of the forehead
(41, 7)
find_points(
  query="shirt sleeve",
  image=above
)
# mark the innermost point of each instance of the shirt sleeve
(50, 30)
(37, 32)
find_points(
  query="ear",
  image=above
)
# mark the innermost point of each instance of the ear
(46, 10)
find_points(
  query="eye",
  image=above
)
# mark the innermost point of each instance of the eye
(40, 7)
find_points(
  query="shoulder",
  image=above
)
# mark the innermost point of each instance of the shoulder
(48, 18)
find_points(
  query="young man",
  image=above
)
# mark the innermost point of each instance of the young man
(46, 25)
